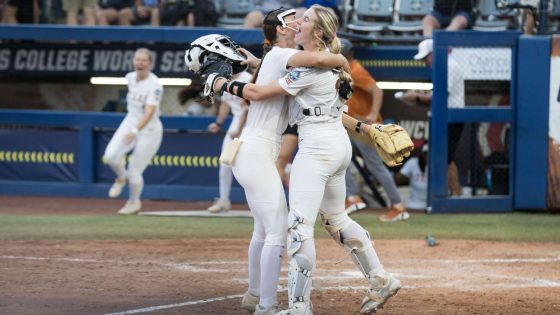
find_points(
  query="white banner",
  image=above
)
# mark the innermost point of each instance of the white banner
(484, 63)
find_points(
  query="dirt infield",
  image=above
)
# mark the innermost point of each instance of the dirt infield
(208, 277)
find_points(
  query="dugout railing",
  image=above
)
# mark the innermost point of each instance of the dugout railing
(525, 111)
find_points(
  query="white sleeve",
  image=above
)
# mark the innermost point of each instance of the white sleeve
(154, 97)
(296, 80)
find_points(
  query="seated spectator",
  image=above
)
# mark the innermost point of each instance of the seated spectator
(255, 18)
(188, 13)
(72, 7)
(108, 11)
(20, 11)
(415, 173)
(143, 12)
(451, 15)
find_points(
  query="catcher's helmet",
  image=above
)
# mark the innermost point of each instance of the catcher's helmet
(217, 45)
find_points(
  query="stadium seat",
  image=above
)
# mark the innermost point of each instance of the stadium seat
(409, 15)
(370, 16)
(233, 12)
(491, 19)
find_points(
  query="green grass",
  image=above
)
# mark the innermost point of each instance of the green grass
(496, 227)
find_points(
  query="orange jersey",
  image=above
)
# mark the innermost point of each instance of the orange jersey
(359, 106)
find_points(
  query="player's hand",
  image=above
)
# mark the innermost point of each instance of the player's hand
(251, 60)
(214, 127)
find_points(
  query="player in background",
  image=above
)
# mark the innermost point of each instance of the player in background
(238, 110)
(141, 132)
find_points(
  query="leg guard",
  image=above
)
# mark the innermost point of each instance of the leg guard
(299, 280)
(356, 245)
(301, 266)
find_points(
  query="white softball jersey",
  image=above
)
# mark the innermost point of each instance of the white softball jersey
(140, 94)
(271, 114)
(320, 97)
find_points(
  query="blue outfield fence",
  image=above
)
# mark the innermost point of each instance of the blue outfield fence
(60, 154)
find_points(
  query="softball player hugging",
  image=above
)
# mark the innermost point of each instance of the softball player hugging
(317, 182)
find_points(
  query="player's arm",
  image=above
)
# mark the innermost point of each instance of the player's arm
(377, 101)
(321, 59)
(249, 91)
(223, 111)
(149, 111)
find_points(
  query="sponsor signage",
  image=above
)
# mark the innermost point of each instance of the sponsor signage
(484, 63)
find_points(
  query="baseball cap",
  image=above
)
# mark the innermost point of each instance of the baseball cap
(345, 46)
(424, 49)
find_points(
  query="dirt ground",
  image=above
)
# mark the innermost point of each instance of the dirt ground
(208, 277)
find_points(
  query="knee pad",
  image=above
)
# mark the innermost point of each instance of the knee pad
(355, 245)
(299, 230)
(334, 223)
(299, 279)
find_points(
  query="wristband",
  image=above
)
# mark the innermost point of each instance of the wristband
(135, 130)
(223, 88)
(217, 123)
(358, 127)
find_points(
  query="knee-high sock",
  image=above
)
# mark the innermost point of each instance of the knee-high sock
(355, 231)
(135, 190)
(255, 252)
(226, 177)
(271, 261)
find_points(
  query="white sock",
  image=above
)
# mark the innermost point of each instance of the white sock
(271, 261)
(135, 190)
(255, 250)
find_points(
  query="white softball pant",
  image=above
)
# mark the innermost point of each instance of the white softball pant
(255, 169)
(144, 147)
(317, 178)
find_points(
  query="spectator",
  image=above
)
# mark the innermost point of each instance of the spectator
(188, 13)
(415, 173)
(143, 12)
(255, 18)
(108, 11)
(455, 99)
(365, 105)
(451, 15)
(72, 7)
(21, 11)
